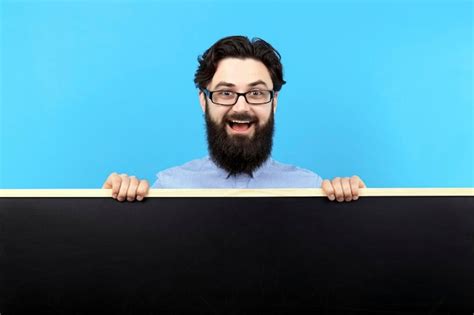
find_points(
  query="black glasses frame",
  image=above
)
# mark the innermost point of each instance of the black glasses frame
(209, 95)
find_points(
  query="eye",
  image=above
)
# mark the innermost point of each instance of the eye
(225, 93)
(256, 93)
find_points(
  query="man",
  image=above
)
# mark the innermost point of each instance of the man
(238, 81)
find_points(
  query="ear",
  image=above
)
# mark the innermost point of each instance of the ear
(202, 100)
(275, 102)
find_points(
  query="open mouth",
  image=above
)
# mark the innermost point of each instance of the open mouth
(240, 125)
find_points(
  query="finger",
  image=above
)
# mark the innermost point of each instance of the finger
(142, 190)
(108, 182)
(346, 188)
(361, 183)
(132, 188)
(336, 184)
(116, 182)
(328, 189)
(355, 181)
(122, 194)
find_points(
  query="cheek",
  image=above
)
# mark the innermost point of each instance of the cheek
(263, 116)
(217, 115)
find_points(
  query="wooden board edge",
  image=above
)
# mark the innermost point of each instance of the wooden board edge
(274, 192)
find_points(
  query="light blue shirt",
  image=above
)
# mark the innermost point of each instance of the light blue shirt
(204, 173)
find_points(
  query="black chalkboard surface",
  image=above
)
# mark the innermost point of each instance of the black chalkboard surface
(271, 255)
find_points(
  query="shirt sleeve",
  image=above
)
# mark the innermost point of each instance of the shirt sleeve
(319, 181)
(157, 183)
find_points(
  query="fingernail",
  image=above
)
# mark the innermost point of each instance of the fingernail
(130, 199)
(332, 197)
(356, 197)
(114, 196)
(139, 198)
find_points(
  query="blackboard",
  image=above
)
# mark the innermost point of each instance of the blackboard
(237, 255)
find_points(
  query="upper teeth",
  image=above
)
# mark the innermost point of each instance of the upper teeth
(241, 121)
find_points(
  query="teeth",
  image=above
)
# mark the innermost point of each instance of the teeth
(241, 121)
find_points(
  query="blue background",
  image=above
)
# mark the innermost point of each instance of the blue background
(381, 89)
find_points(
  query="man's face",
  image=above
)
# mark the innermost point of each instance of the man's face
(240, 75)
(239, 148)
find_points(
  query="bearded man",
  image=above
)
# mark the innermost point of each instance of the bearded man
(238, 82)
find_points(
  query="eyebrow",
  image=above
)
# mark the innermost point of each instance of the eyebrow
(259, 82)
(227, 84)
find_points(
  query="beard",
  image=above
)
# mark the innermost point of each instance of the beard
(238, 154)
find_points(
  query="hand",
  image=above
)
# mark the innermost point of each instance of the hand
(341, 189)
(126, 187)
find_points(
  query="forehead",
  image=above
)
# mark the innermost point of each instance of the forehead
(241, 72)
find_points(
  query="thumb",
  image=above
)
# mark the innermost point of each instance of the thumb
(107, 185)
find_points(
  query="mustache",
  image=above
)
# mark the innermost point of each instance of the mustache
(240, 116)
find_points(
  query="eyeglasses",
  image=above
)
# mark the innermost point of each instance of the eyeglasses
(230, 98)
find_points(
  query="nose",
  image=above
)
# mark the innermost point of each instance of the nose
(241, 105)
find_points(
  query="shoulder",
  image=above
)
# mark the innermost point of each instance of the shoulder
(288, 168)
(191, 166)
(291, 175)
(183, 175)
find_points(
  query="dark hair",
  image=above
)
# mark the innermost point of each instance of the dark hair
(239, 47)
